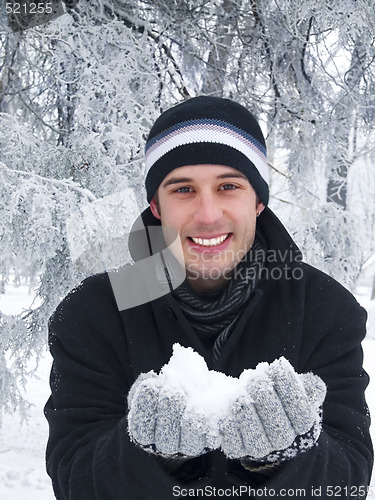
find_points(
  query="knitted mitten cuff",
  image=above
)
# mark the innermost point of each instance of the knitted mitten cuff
(301, 444)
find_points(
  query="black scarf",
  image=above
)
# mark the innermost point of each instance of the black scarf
(213, 315)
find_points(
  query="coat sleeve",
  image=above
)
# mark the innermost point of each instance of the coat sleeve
(89, 454)
(341, 463)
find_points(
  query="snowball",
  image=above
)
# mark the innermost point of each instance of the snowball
(208, 392)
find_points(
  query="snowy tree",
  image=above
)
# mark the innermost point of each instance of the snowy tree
(79, 93)
(77, 99)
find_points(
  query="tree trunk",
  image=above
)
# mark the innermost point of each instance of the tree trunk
(337, 184)
(220, 52)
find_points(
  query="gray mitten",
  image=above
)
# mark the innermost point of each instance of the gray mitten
(160, 422)
(279, 408)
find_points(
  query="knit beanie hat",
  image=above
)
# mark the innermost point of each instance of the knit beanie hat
(207, 130)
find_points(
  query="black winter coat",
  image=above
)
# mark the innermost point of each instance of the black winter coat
(98, 353)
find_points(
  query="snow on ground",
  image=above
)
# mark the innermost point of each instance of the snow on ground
(22, 445)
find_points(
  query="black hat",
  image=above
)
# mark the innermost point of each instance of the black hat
(207, 130)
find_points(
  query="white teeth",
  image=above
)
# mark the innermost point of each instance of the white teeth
(213, 242)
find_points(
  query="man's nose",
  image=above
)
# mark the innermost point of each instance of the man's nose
(207, 211)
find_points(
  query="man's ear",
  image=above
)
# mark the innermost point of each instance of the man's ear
(154, 208)
(260, 208)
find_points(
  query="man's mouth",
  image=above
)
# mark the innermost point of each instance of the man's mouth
(210, 242)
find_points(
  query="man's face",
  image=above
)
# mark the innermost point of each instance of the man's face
(213, 208)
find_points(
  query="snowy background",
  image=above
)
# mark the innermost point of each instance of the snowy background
(22, 444)
(78, 96)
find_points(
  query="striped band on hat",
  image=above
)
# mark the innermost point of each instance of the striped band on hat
(207, 131)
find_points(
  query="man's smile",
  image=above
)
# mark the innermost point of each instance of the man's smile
(209, 242)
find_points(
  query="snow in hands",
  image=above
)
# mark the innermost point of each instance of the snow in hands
(187, 409)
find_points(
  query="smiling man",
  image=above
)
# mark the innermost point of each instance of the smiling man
(299, 426)
(214, 210)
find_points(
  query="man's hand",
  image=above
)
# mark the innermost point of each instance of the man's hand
(159, 422)
(278, 407)
(277, 414)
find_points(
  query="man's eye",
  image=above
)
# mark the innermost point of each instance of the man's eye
(228, 187)
(183, 189)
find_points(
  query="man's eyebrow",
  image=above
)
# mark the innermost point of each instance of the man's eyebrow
(178, 180)
(237, 175)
